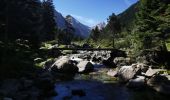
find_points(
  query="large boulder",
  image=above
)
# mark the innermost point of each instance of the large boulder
(85, 66)
(126, 73)
(112, 73)
(76, 59)
(160, 84)
(64, 65)
(137, 83)
(109, 63)
(144, 68)
(150, 72)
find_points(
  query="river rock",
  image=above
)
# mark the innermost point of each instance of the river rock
(150, 72)
(112, 73)
(168, 76)
(115, 53)
(97, 59)
(64, 65)
(160, 84)
(85, 66)
(138, 82)
(142, 59)
(6, 98)
(76, 59)
(109, 63)
(143, 67)
(126, 73)
(121, 61)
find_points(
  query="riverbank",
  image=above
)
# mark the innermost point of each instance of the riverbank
(86, 75)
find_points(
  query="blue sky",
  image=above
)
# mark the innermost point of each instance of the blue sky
(91, 12)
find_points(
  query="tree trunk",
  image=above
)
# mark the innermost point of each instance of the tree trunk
(113, 40)
(5, 49)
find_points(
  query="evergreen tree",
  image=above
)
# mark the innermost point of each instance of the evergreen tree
(152, 22)
(3, 9)
(95, 34)
(21, 19)
(48, 19)
(114, 27)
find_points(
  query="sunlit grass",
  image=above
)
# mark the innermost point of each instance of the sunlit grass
(168, 46)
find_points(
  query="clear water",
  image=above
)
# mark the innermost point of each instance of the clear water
(98, 85)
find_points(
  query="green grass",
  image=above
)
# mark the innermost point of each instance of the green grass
(67, 51)
(46, 46)
(168, 46)
(166, 71)
(62, 46)
(42, 64)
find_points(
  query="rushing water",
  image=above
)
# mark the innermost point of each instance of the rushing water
(93, 86)
(98, 85)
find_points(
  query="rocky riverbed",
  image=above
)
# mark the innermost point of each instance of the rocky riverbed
(127, 82)
(87, 75)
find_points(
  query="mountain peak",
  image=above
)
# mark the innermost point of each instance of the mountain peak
(100, 26)
(69, 16)
(80, 29)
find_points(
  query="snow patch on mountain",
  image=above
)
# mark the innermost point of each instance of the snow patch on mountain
(100, 26)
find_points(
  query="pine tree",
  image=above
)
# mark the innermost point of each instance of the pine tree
(21, 19)
(95, 34)
(3, 9)
(151, 23)
(114, 27)
(48, 19)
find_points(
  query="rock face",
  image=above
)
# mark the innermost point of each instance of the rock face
(126, 73)
(64, 65)
(80, 29)
(85, 66)
(160, 84)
